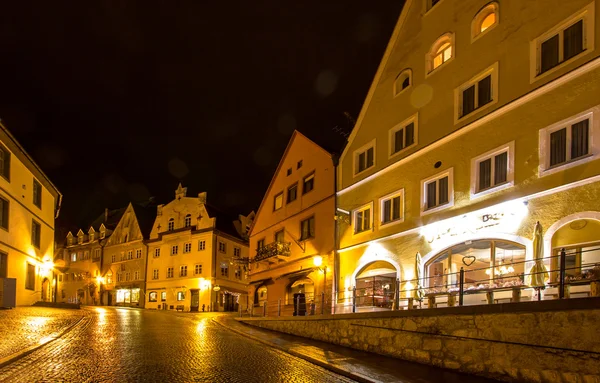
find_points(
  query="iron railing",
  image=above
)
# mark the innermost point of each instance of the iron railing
(274, 249)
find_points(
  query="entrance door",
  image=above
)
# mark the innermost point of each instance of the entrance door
(45, 290)
(195, 300)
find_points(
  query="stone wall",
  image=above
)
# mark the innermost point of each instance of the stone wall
(548, 341)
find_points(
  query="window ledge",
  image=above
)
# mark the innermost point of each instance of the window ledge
(505, 185)
(438, 208)
(385, 225)
(476, 112)
(434, 71)
(428, 11)
(560, 66)
(396, 154)
(567, 165)
(362, 172)
(403, 90)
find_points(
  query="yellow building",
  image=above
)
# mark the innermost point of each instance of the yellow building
(29, 203)
(192, 255)
(125, 257)
(483, 118)
(293, 228)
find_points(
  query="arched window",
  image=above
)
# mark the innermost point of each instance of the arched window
(375, 285)
(441, 52)
(188, 220)
(484, 20)
(487, 263)
(403, 81)
(171, 224)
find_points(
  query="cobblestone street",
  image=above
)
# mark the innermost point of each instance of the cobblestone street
(127, 345)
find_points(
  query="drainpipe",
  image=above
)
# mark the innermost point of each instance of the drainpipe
(214, 271)
(336, 255)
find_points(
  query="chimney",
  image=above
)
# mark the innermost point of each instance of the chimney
(105, 214)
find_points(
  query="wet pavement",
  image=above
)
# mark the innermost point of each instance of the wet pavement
(133, 345)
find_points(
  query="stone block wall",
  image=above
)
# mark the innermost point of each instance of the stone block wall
(548, 341)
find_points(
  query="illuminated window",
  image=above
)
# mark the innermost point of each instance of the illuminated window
(278, 201)
(403, 81)
(363, 218)
(441, 52)
(484, 20)
(437, 192)
(152, 296)
(163, 296)
(180, 296)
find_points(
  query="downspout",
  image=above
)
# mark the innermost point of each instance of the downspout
(336, 245)
(214, 271)
(145, 244)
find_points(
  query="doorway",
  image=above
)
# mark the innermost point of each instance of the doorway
(195, 300)
(46, 290)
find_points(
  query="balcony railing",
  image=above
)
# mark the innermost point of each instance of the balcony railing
(272, 250)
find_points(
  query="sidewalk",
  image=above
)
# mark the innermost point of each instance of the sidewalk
(354, 364)
(24, 329)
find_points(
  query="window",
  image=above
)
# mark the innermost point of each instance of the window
(278, 201)
(565, 41)
(187, 247)
(183, 271)
(4, 162)
(292, 193)
(36, 234)
(163, 296)
(438, 192)
(289, 171)
(280, 235)
(136, 275)
(430, 4)
(91, 235)
(109, 279)
(169, 272)
(171, 224)
(4, 213)
(403, 135)
(201, 245)
(97, 254)
(155, 274)
(569, 142)
(122, 267)
(440, 53)
(113, 257)
(174, 249)
(364, 158)
(222, 247)
(403, 81)
(225, 269)
(307, 229)
(86, 255)
(237, 252)
(157, 252)
(3, 265)
(363, 218)
(493, 170)
(308, 183)
(80, 239)
(188, 220)
(198, 269)
(37, 193)
(392, 208)
(299, 165)
(260, 244)
(238, 273)
(102, 234)
(180, 296)
(152, 296)
(129, 254)
(485, 20)
(138, 253)
(30, 277)
(480, 91)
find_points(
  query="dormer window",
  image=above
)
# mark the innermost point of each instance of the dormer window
(403, 81)
(102, 234)
(91, 237)
(69, 241)
(80, 239)
(484, 21)
(441, 52)
(188, 220)
(171, 224)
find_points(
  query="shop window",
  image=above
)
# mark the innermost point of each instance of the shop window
(180, 296)
(375, 285)
(392, 208)
(363, 218)
(485, 20)
(479, 92)
(403, 135)
(152, 296)
(493, 170)
(163, 296)
(438, 192)
(441, 52)
(403, 81)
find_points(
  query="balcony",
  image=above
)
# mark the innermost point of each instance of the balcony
(275, 251)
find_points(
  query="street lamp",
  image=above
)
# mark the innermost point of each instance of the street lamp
(318, 261)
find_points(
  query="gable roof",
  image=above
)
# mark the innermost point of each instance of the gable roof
(224, 221)
(145, 215)
(295, 135)
(109, 218)
(378, 74)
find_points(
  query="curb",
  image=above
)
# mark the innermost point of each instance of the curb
(46, 340)
(320, 363)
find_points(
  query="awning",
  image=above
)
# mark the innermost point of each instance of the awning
(231, 291)
(298, 273)
(260, 281)
(302, 281)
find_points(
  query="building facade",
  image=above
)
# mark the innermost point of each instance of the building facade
(292, 237)
(29, 204)
(192, 253)
(125, 258)
(483, 119)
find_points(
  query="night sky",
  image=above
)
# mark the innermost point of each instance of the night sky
(119, 101)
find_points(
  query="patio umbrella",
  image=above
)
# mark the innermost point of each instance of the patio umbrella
(538, 273)
(419, 291)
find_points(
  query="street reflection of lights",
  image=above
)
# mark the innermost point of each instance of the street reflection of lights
(201, 328)
(101, 315)
(46, 339)
(37, 321)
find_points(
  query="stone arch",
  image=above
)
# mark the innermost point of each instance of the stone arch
(564, 221)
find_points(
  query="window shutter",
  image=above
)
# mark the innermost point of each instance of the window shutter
(485, 174)
(410, 134)
(558, 147)
(579, 139)
(500, 168)
(431, 195)
(573, 40)
(485, 91)
(468, 100)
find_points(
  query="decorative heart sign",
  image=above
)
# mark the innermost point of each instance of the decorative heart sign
(468, 260)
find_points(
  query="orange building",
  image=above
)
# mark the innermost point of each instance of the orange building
(292, 236)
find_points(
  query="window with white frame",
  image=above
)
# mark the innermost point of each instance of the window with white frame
(278, 201)
(225, 269)
(136, 275)
(201, 245)
(478, 92)
(198, 269)
(308, 183)
(237, 252)
(119, 277)
(157, 252)
(441, 52)
(138, 253)
(127, 276)
(403, 135)
(493, 170)
(363, 218)
(171, 224)
(155, 274)
(485, 20)
(563, 42)
(364, 158)
(97, 254)
(222, 247)
(437, 192)
(183, 271)
(113, 257)
(569, 142)
(188, 220)
(129, 254)
(187, 247)
(169, 272)
(238, 273)
(391, 208)
(403, 81)
(174, 249)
